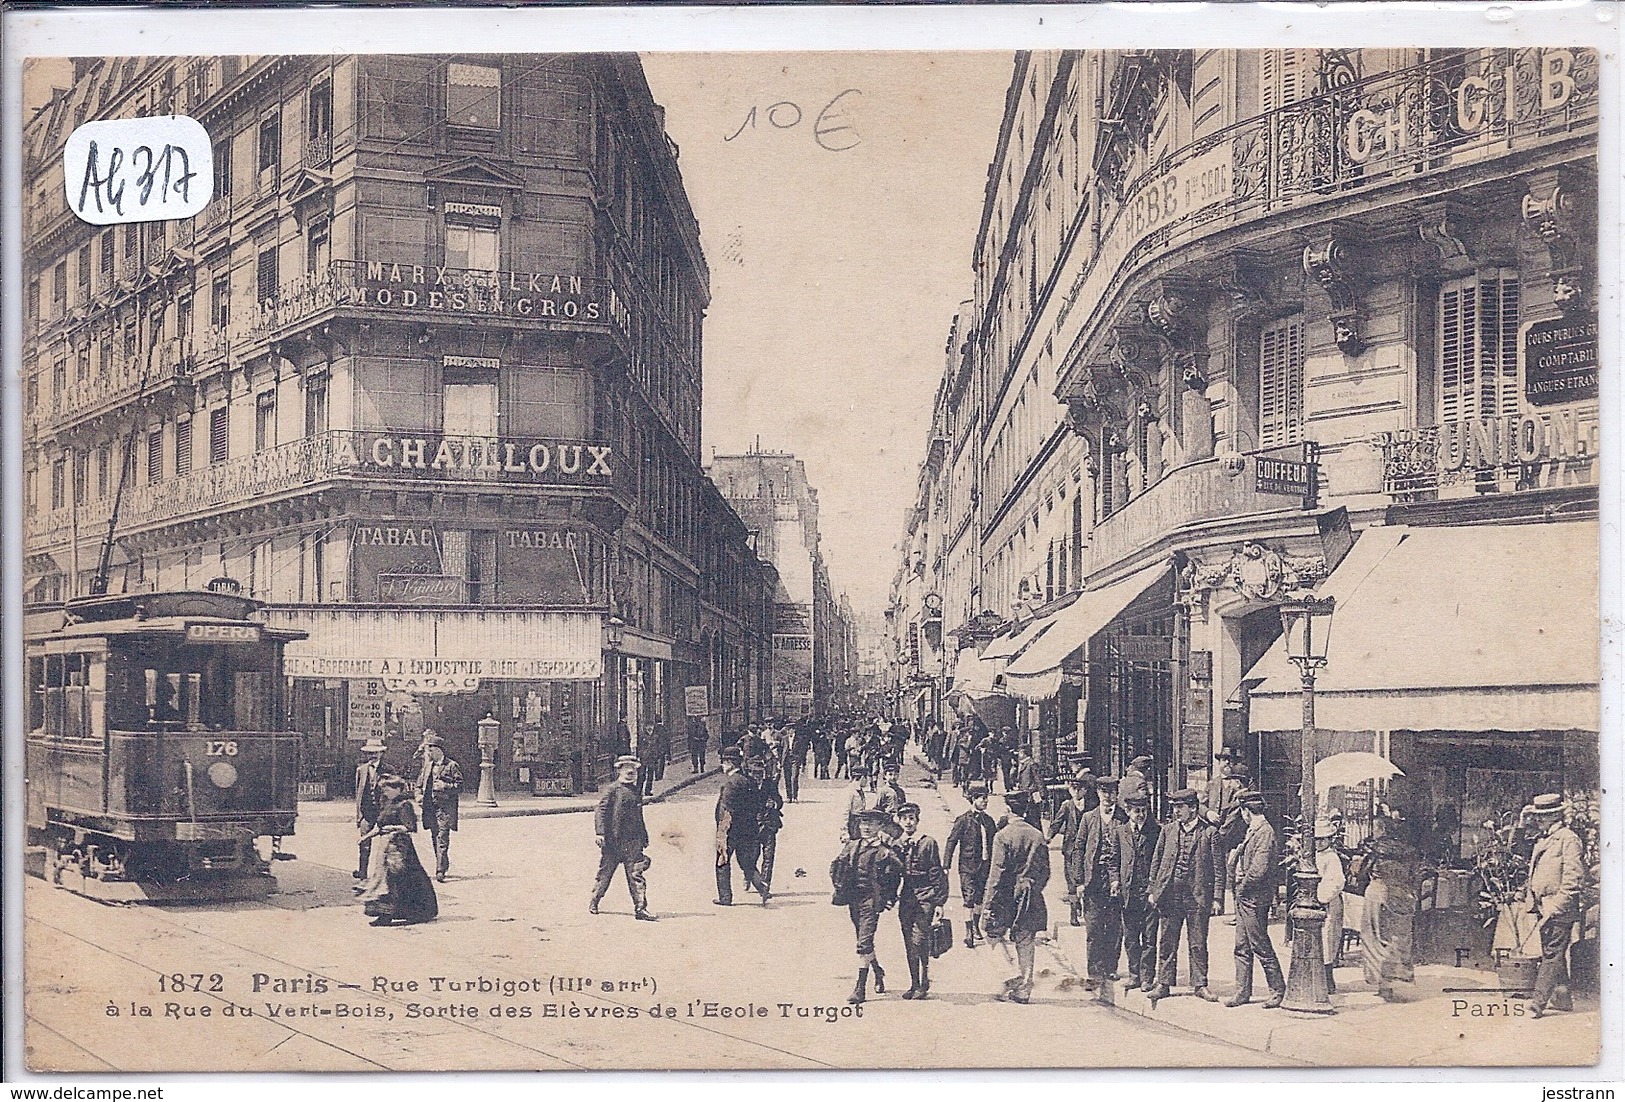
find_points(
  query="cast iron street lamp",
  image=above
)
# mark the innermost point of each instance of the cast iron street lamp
(1307, 623)
(488, 729)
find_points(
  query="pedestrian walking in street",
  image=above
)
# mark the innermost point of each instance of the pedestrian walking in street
(890, 796)
(698, 737)
(822, 746)
(649, 757)
(858, 800)
(1005, 750)
(1027, 777)
(1388, 913)
(623, 838)
(924, 890)
(1257, 877)
(1557, 875)
(842, 746)
(1223, 814)
(1013, 911)
(795, 758)
(1329, 891)
(1136, 779)
(972, 837)
(439, 786)
(1183, 892)
(368, 800)
(1097, 891)
(738, 831)
(398, 891)
(1135, 845)
(867, 876)
(769, 816)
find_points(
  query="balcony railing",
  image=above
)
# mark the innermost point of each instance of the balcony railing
(1490, 456)
(130, 375)
(425, 461)
(318, 150)
(1210, 490)
(1368, 134)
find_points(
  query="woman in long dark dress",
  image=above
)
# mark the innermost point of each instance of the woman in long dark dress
(398, 890)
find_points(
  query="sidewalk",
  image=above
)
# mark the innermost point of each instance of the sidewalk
(511, 804)
(1449, 1016)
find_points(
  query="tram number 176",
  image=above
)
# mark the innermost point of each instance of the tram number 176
(217, 747)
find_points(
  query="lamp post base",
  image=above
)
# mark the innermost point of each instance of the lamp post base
(487, 795)
(1306, 975)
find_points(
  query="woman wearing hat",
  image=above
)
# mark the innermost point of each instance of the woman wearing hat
(1556, 879)
(399, 891)
(1333, 878)
(1388, 917)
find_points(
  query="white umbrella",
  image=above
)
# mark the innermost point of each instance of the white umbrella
(1341, 770)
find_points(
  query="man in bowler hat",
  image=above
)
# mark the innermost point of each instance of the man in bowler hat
(439, 786)
(738, 830)
(368, 799)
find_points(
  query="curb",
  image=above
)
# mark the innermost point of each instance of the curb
(569, 805)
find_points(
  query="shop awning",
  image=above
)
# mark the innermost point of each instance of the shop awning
(1001, 646)
(413, 646)
(1483, 628)
(1037, 673)
(974, 674)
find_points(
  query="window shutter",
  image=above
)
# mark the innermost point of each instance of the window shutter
(1478, 346)
(1280, 383)
(183, 446)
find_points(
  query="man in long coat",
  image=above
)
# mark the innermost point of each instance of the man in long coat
(1013, 912)
(972, 836)
(368, 800)
(622, 838)
(439, 785)
(1066, 823)
(738, 830)
(1185, 880)
(1131, 867)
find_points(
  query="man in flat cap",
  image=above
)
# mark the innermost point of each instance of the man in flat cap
(924, 889)
(1136, 779)
(439, 785)
(867, 875)
(1013, 911)
(972, 836)
(1184, 881)
(1258, 861)
(890, 795)
(738, 830)
(1556, 878)
(858, 800)
(1092, 860)
(623, 838)
(1132, 851)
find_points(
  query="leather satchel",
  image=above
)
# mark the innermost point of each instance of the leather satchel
(942, 937)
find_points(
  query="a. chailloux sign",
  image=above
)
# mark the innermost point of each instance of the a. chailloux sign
(472, 453)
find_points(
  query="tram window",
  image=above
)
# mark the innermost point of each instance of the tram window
(199, 689)
(66, 696)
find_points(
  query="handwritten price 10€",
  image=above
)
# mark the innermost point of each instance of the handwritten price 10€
(831, 127)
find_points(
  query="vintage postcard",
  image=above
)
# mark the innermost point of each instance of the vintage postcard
(1025, 558)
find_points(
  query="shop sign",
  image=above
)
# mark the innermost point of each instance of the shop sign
(481, 455)
(1560, 361)
(365, 716)
(697, 700)
(420, 589)
(478, 210)
(1517, 439)
(448, 670)
(1282, 476)
(478, 363)
(792, 642)
(222, 633)
(529, 295)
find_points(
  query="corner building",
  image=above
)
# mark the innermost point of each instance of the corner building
(424, 375)
(1318, 321)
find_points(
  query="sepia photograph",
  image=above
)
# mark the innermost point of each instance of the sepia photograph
(586, 561)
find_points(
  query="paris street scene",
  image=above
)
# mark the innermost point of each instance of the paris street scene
(1063, 559)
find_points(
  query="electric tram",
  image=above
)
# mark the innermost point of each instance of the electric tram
(157, 749)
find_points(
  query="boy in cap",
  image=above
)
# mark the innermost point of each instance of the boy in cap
(972, 835)
(1184, 880)
(1066, 823)
(1556, 879)
(622, 838)
(924, 889)
(858, 801)
(866, 875)
(1258, 859)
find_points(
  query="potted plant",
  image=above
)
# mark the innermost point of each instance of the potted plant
(1502, 873)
